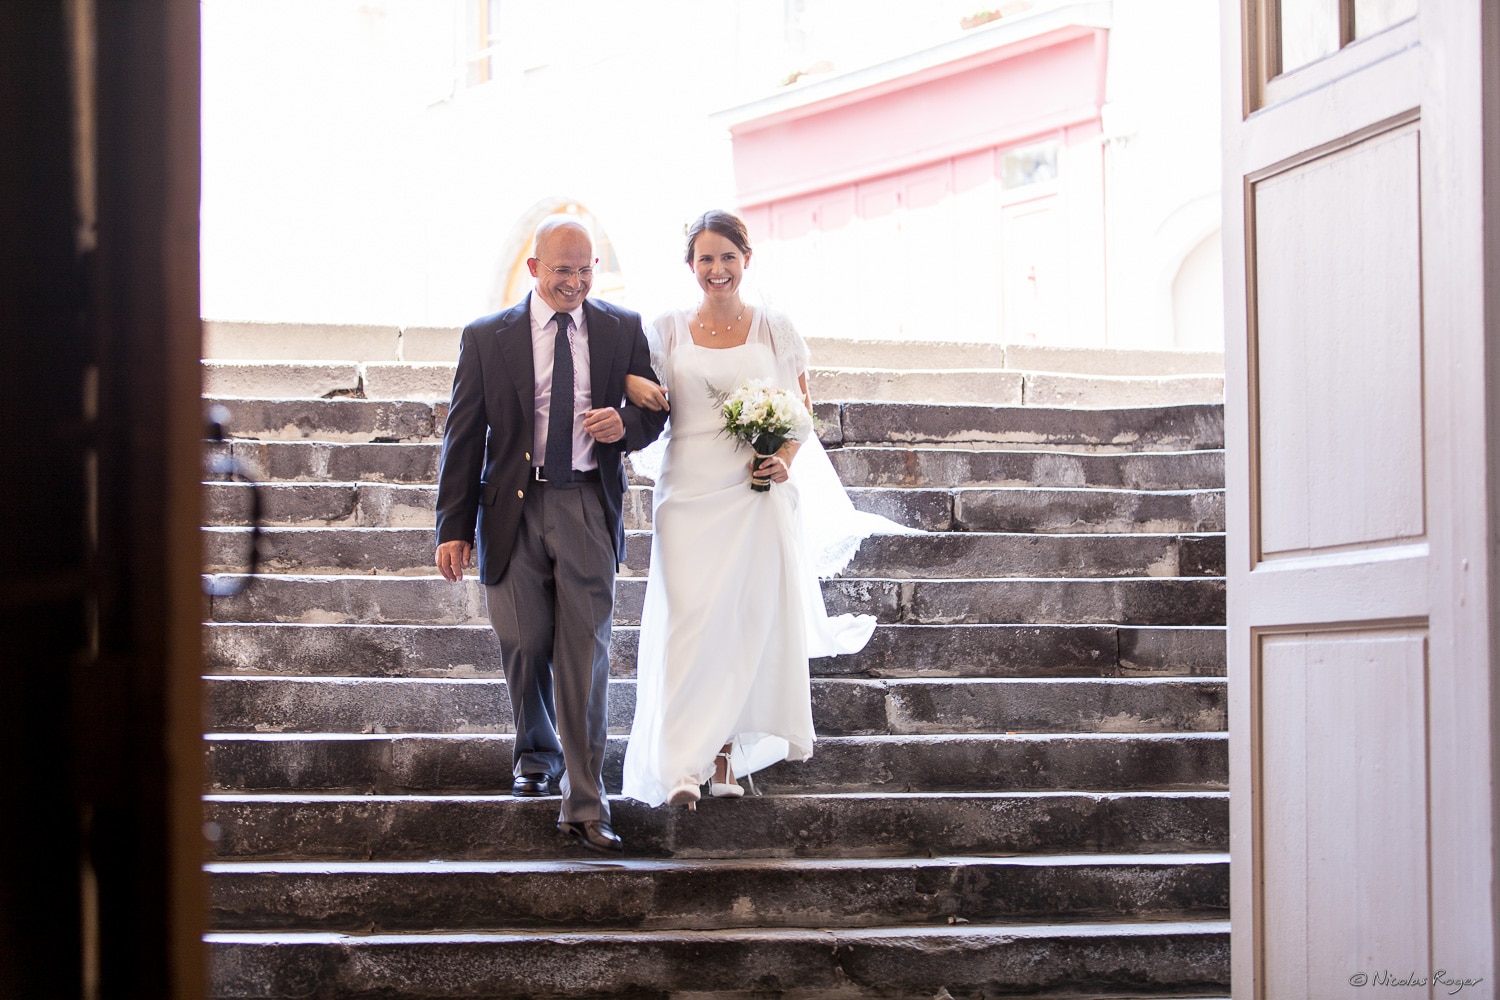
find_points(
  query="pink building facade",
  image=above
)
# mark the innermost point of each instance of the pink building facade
(955, 195)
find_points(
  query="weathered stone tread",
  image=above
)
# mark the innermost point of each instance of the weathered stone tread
(933, 466)
(1192, 426)
(426, 764)
(840, 706)
(1076, 960)
(384, 897)
(1189, 427)
(431, 600)
(886, 824)
(408, 551)
(1050, 650)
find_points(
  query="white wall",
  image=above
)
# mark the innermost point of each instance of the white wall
(309, 200)
(347, 179)
(344, 181)
(1162, 157)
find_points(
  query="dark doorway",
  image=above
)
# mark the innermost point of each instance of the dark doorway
(99, 554)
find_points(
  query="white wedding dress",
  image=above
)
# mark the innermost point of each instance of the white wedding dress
(733, 608)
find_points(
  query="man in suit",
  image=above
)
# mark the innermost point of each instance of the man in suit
(531, 465)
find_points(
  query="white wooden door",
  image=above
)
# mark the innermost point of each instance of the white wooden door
(1360, 502)
(1031, 244)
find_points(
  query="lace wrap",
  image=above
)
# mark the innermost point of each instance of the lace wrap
(792, 355)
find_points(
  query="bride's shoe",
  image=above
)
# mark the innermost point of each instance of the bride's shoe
(685, 793)
(728, 788)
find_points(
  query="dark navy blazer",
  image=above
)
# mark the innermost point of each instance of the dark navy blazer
(485, 470)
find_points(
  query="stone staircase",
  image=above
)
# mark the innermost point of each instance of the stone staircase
(1020, 785)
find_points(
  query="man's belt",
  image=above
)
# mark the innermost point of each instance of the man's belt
(579, 475)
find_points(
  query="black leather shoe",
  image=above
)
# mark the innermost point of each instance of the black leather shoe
(594, 834)
(528, 785)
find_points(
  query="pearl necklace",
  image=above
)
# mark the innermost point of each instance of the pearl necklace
(727, 326)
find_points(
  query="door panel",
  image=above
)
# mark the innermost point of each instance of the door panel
(1337, 293)
(1343, 808)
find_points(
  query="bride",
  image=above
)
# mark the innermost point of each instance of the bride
(733, 609)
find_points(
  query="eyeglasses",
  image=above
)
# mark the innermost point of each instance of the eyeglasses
(567, 273)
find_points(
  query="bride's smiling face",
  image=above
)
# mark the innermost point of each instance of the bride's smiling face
(719, 265)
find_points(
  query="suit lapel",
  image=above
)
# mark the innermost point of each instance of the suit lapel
(514, 336)
(604, 338)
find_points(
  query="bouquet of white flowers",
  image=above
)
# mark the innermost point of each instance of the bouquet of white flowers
(765, 417)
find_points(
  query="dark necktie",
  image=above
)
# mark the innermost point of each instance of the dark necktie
(558, 464)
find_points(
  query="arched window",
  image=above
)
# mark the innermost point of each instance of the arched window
(609, 282)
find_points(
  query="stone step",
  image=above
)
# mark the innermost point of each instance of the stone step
(348, 342)
(841, 707)
(409, 551)
(433, 381)
(425, 897)
(993, 387)
(893, 651)
(1084, 510)
(934, 467)
(1029, 509)
(430, 382)
(481, 763)
(354, 418)
(1009, 554)
(336, 419)
(1111, 390)
(1177, 959)
(352, 505)
(255, 379)
(918, 354)
(887, 824)
(432, 600)
(858, 466)
(1138, 601)
(1187, 427)
(1044, 510)
(229, 340)
(1190, 427)
(334, 461)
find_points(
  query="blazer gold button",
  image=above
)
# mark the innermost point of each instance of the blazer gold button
(521, 494)
(528, 456)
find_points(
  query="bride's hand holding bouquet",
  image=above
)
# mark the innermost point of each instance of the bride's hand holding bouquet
(773, 422)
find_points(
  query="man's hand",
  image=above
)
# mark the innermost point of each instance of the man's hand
(604, 425)
(452, 557)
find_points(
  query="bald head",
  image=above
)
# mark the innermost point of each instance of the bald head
(555, 229)
(564, 262)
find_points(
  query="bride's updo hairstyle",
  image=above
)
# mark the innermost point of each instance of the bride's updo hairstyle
(718, 221)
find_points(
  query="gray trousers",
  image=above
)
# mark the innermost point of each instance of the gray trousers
(552, 610)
